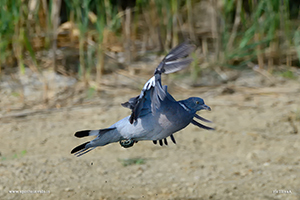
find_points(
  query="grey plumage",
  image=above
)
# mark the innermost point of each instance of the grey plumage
(155, 114)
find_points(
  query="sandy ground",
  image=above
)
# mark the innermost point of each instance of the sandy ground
(254, 153)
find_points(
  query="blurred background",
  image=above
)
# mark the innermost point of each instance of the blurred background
(66, 65)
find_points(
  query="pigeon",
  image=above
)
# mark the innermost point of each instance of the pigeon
(155, 114)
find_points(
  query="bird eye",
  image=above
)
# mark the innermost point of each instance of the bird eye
(197, 102)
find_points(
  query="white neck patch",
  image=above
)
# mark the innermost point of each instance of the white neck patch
(185, 108)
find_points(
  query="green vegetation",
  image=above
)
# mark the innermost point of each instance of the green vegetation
(132, 161)
(261, 32)
(288, 74)
(90, 92)
(15, 156)
(230, 33)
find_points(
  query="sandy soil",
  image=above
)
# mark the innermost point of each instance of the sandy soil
(252, 154)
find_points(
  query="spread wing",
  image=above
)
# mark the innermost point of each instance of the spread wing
(153, 93)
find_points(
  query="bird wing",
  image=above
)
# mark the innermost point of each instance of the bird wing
(153, 93)
(201, 125)
(202, 119)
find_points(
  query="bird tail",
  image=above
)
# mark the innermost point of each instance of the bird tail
(82, 149)
(101, 140)
(85, 133)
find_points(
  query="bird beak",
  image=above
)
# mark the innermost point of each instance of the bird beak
(205, 107)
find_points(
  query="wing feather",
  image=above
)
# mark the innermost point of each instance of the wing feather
(201, 125)
(153, 93)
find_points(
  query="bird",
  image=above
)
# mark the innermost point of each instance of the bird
(155, 114)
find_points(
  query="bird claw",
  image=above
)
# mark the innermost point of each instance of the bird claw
(127, 143)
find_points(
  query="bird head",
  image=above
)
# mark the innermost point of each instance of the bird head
(195, 104)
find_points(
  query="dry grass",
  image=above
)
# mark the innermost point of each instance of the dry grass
(229, 34)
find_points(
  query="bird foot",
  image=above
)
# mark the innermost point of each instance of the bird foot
(127, 143)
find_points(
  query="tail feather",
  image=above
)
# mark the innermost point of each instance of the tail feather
(101, 140)
(85, 133)
(84, 151)
(80, 147)
(81, 134)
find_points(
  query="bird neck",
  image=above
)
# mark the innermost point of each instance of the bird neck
(185, 107)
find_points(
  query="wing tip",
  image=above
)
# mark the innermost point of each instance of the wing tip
(201, 125)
